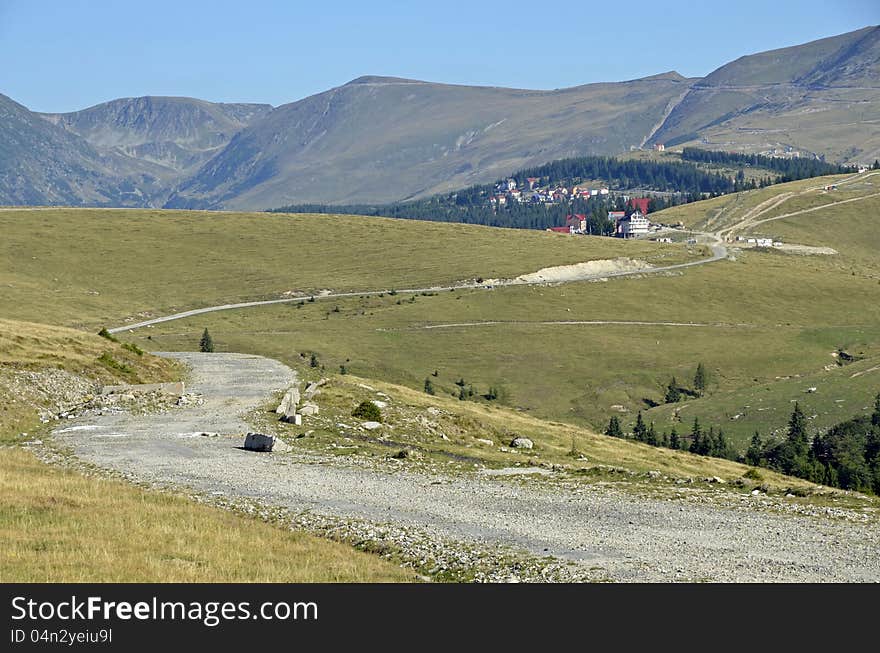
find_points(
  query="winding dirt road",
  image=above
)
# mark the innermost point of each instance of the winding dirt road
(719, 252)
(614, 535)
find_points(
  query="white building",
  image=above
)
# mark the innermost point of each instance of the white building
(633, 225)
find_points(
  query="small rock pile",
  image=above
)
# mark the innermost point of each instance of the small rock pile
(290, 409)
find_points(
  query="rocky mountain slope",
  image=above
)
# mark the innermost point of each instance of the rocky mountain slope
(380, 139)
(821, 97)
(180, 134)
(41, 163)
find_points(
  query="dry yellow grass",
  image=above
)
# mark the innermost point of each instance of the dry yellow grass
(59, 526)
(553, 439)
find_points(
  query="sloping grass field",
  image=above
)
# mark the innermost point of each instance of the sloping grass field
(91, 268)
(771, 328)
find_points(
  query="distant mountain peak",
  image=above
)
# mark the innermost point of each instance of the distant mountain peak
(671, 75)
(380, 80)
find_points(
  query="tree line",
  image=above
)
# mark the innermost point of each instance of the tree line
(847, 456)
(672, 182)
(788, 169)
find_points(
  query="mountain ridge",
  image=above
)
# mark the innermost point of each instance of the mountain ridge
(382, 138)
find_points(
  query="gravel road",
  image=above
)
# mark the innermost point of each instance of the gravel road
(629, 538)
(591, 270)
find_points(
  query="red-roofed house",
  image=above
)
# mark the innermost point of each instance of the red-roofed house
(640, 204)
(560, 230)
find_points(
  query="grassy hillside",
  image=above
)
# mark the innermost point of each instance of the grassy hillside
(769, 319)
(440, 432)
(43, 366)
(60, 526)
(88, 267)
(755, 319)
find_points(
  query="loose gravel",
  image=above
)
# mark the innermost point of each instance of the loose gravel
(470, 526)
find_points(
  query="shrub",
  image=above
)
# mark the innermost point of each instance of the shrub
(753, 474)
(130, 346)
(112, 363)
(368, 411)
(106, 334)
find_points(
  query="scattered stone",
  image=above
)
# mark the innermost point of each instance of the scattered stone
(259, 442)
(370, 426)
(432, 411)
(293, 418)
(521, 443)
(311, 390)
(308, 410)
(714, 479)
(485, 441)
(654, 474)
(380, 404)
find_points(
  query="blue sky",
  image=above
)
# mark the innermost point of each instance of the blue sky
(66, 55)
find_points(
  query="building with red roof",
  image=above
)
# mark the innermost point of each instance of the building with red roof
(640, 204)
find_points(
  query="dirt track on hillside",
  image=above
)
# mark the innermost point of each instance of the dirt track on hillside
(606, 533)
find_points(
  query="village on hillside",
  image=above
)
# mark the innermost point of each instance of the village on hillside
(630, 223)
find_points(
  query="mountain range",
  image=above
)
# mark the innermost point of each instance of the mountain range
(385, 139)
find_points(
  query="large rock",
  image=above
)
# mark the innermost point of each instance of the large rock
(289, 402)
(308, 409)
(522, 443)
(259, 442)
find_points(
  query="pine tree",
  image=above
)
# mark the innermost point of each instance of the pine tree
(674, 442)
(640, 431)
(673, 394)
(795, 449)
(722, 448)
(613, 429)
(206, 344)
(700, 380)
(651, 436)
(429, 387)
(313, 361)
(755, 452)
(696, 437)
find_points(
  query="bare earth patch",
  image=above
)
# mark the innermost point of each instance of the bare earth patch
(582, 271)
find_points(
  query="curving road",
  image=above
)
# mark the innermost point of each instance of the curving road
(719, 252)
(627, 537)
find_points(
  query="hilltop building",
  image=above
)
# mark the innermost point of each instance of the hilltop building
(630, 226)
